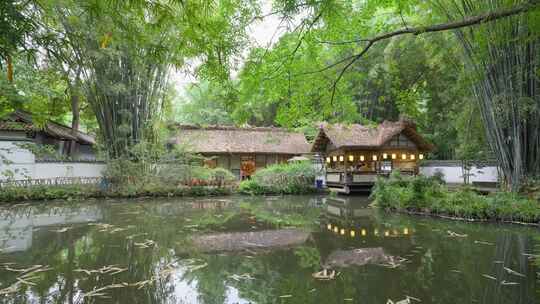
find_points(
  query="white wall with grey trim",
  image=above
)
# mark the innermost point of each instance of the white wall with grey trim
(19, 164)
(453, 172)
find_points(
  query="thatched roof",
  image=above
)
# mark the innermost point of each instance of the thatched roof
(22, 121)
(223, 139)
(366, 137)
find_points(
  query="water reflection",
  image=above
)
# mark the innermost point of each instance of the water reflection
(257, 250)
(17, 227)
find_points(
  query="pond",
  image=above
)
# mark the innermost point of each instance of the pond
(258, 250)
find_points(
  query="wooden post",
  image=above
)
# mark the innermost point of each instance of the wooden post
(345, 165)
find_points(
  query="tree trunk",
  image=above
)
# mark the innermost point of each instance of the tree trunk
(75, 121)
(9, 69)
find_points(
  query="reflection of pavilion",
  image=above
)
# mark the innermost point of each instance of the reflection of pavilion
(344, 208)
(16, 229)
(353, 218)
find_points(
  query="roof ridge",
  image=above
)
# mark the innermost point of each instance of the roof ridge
(230, 128)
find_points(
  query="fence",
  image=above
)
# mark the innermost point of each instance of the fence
(58, 181)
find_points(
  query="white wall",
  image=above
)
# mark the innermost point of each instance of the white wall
(68, 169)
(24, 166)
(54, 170)
(453, 172)
(18, 161)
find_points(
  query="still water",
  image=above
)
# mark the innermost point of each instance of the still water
(258, 250)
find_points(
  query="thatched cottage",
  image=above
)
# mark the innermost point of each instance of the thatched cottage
(241, 150)
(355, 154)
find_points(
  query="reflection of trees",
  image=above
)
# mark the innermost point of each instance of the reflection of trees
(509, 250)
(274, 274)
(428, 276)
(88, 247)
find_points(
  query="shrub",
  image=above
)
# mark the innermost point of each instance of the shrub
(404, 193)
(295, 178)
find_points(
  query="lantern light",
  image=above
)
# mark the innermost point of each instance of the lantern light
(329, 226)
(341, 158)
(353, 233)
(412, 156)
(351, 158)
(387, 233)
(336, 229)
(374, 157)
(328, 159)
(342, 231)
(420, 156)
(363, 232)
(362, 158)
(405, 230)
(384, 155)
(334, 158)
(404, 156)
(394, 156)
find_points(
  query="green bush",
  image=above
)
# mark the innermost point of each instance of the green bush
(295, 178)
(429, 195)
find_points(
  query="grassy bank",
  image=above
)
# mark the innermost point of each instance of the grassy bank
(69, 192)
(431, 197)
(127, 181)
(295, 178)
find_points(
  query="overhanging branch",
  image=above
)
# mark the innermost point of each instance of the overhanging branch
(470, 21)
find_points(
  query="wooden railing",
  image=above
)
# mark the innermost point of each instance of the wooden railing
(58, 181)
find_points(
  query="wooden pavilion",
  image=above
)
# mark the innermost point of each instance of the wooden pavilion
(355, 154)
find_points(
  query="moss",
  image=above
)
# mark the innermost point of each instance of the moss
(430, 196)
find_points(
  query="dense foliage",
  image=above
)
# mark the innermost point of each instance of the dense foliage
(471, 91)
(156, 168)
(107, 66)
(430, 196)
(293, 178)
